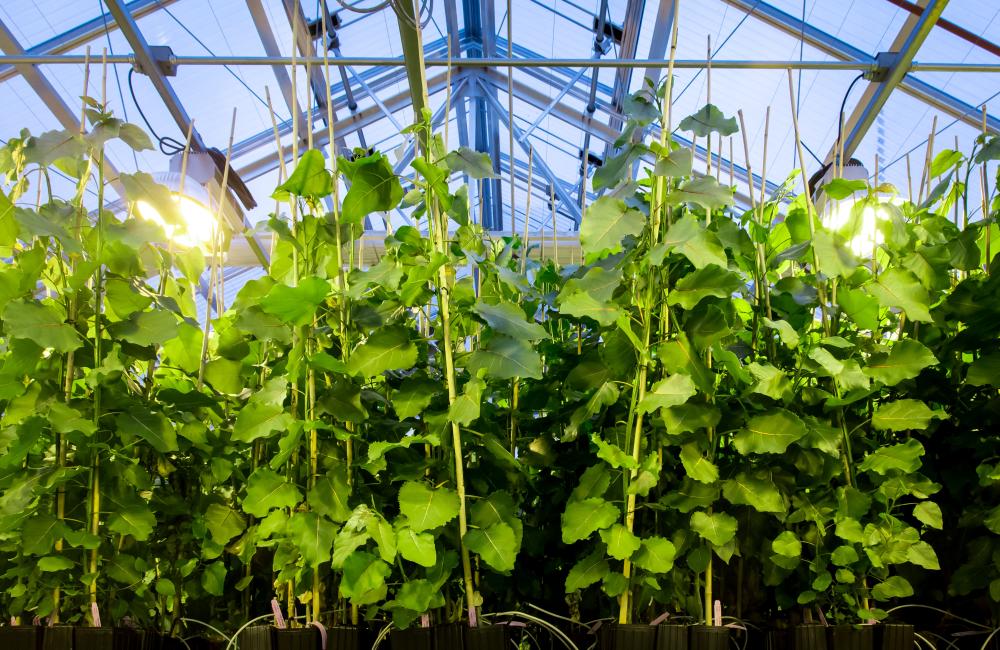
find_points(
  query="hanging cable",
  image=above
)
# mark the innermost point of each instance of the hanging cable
(168, 146)
(840, 116)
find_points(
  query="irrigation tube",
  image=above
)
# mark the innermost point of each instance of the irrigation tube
(720, 64)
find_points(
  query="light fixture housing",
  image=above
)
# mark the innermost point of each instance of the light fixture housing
(838, 215)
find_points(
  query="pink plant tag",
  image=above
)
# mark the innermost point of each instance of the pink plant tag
(95, 615)
(659, 619)
(322, 632)
(473, 618)
(425, 620)
(38, 621)
(822, 616)
(279, 620)
(717, 613)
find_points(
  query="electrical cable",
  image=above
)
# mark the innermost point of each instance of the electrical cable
(840, 116)
(168, 146)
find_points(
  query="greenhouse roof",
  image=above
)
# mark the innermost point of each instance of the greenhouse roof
(887, 120)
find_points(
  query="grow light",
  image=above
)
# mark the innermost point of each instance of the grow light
(198, 225)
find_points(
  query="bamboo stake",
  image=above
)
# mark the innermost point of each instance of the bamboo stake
(909, 180)
(984, 192)
(708, 101)
(925, 177)
(510, 116)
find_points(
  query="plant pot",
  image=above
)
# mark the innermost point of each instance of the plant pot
(810, 637)
(300, 638)
(896, 636)
(627, 637)
(852, 637)
(128, 638)
(709, 637)
(487, 637)
(412, 638)
(57, 637)
(779, 639)
(347, 637)
(20, 637)
(671, 637)
(173, 643)
(94, 638)
(449, 637)
(256, 637)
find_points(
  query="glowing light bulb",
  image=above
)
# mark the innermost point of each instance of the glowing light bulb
(197, 225)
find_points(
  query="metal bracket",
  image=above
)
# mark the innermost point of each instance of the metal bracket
(884, 62)
(164, 59)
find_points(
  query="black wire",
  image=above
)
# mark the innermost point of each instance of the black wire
(840, 118)
(168, 146)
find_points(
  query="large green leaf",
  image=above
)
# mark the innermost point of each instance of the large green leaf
(496, 545)
(704, 191)
(717, 527)
(389, 348)
(583, 305)
(591, 569)
(984, 371)
(892, 587)
(507, 318)
(329, 496)
(900, 288)
(313, 536)
(612, 454)
(757, 491)
(672, 391)
(152, 426)
(606, 222)
(413, 396)
(224, 523)
(146, 328)
(904, 414)
(787, 544)
(770, 433)
(296, 305)
(835, 259)
(904, 457)
(310, 179)
(504, 357)
(677, 163)
(621, 542)
(477, 164)
(416, 547)
(656, 555)
(696, 465)
(266, 491)
(40, 323)
(709, 119)
(904, 361)
(40, 532)
(708, 281)
(584, 517)
(425, 507)
(374, 187)
(260, 420)
(689, 238)
(363, 580)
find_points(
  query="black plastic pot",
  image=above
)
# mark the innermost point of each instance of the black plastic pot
(172, 643)
(896, 636)
(487, 637)
(852, 637)
(810, 637)
(94, 638)
(709, 637)
(779, 639)
(671, 637)
(348, 637)
(412, 638)
(257, 637)
(57, 637)
(20, 637)
(449, 637)
(300, 638)
(627, 637)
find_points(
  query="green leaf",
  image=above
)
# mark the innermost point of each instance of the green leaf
(584, 305)
(224, 523)
(465, 409)
(593, 483)
(900, 288)
(655, 555)
(922, 554)
(787, 544)
(496, 545)
(258, 420)
(40, 323)
(51, 146)
(844, 556)
(709, 119)
(146, 328)
(770, 433)
(296, 305)
(151, 426)
(413, 396)
(363, 579)
(839, 189)
(39, 534)
(708, 281)
(310, 179)
(904, 457)
(504, 357)
(374, 187)
(689, 238)
(477, 164)
(757, 491)
(425, 507)
(696, 465)
(612, 454)
(606, 222)
(329, 496)
(54, 563)
(389, 348)
(133, 518)
(266, 491)
(582, 518)
(213, 579)
(704, 191)
(416, 547)
(860, 307)
(677, 163)
(904, 361)
(892, 587)
(785, 331)
(313, 536)
(591, 569)
(835, 259)
(620, 541)
(507, 318)
(929, 514)
(672, 391)
(904, 414)
(984, 371)
(718, 527)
